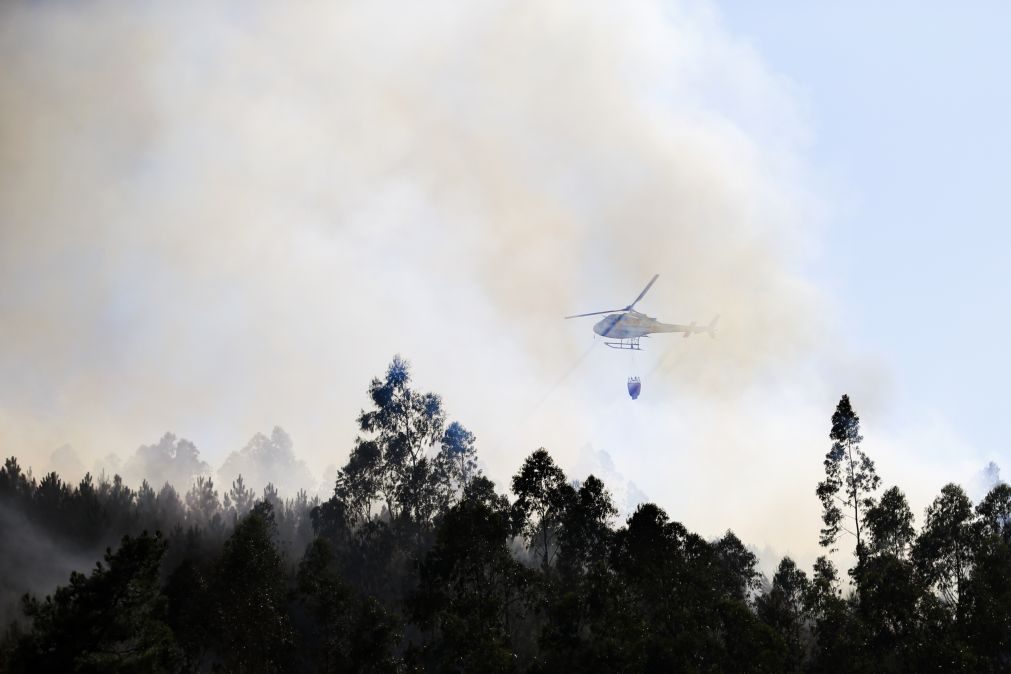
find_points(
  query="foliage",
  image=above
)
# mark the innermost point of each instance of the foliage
(542, 496)
(110, 621)
(417, 563)
(943, 552)
(849, 471)
(890, 523)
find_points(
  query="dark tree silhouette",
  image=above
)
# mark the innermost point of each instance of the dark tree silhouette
(837, 637)
(944, 550)
(239, 499)
(110, 621)
(987, 597)
(739, 567)
(416, 564)
(404, 424)
(994, 514)
(890, 524)
(468, 582)
(203, 506)
(542, 496)
(585, 537)
(255, 632)
(455, 464)
(784, 609)
(343, 633)
(847, 470)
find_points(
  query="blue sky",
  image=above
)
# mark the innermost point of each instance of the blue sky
(911, 147)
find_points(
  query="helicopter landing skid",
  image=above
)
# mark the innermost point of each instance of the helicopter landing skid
(630, 344)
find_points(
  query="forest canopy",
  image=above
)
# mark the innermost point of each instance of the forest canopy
(418, 562)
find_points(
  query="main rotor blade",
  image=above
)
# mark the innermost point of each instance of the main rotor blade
(644, 291)
(597, 313)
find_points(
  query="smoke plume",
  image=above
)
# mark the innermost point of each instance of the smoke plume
(214, 215)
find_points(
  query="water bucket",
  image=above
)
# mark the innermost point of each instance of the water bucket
(634, 386)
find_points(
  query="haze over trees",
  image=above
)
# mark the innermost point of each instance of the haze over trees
(268, 460)
(418, 562)
(173, 460)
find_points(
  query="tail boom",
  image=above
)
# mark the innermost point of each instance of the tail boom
(688, 330)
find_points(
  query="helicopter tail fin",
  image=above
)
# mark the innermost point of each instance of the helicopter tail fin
(711, 328)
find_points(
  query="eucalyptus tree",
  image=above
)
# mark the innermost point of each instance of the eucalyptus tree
(468, 582)
(585, 536)
(455, 464)
(890, 524)
(542, 497)
(850, 479)
(988, 593)
(402, 425)
(784, 608)
(994, 514)
(944, 550)
(740, 576)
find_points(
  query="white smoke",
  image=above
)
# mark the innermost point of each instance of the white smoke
(214, 215)
(268, 460)
(173, 460)
(625, 494)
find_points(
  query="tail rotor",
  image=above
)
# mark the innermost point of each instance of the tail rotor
(711, 328)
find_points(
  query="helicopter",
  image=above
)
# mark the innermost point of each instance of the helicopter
(627, 325)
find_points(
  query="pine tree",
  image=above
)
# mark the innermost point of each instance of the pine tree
(112, 620)
(255, 629)
(203, 505)
(240, 498)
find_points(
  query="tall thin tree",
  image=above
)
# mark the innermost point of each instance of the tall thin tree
(849, 470)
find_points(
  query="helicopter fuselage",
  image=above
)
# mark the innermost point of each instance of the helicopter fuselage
(632, 324)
